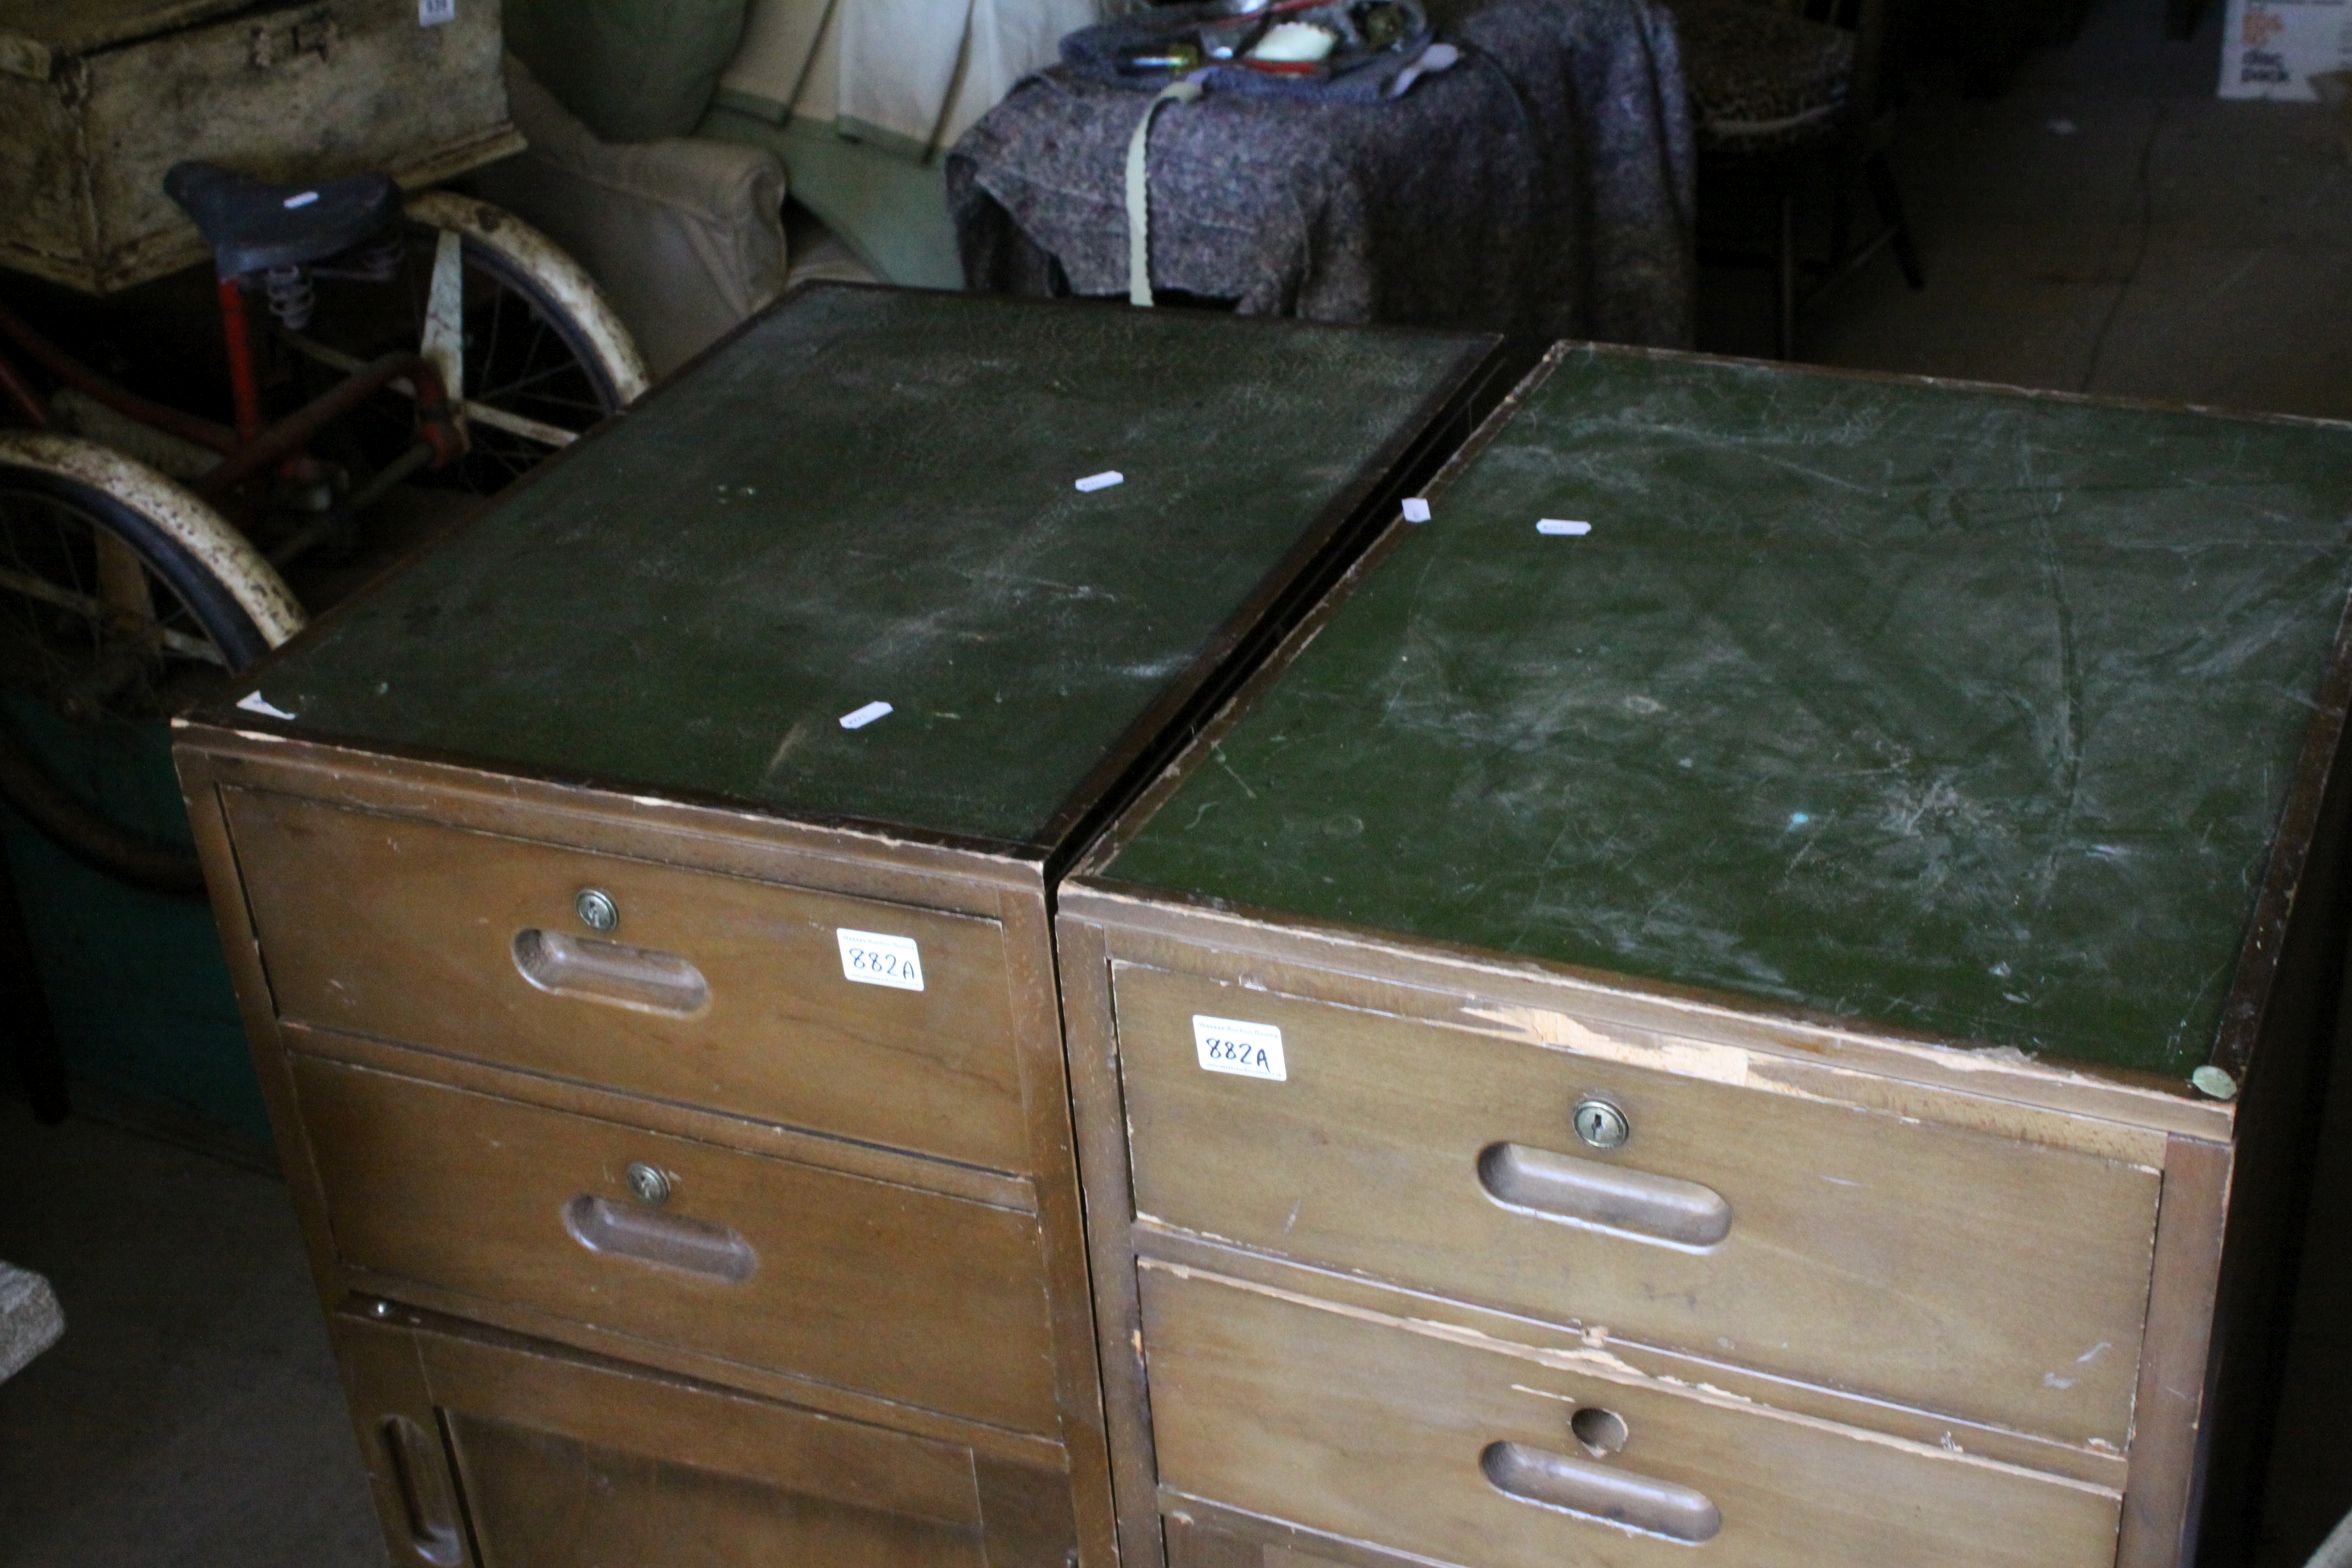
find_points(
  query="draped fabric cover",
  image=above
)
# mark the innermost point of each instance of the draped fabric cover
(1546, 185)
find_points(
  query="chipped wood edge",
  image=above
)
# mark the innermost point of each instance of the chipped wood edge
(2096, 1465)
(1604, 1364)
(1549, 1004)
(730, 840)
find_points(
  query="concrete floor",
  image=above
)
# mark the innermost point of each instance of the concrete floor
(2107, 226)
(190, 1417)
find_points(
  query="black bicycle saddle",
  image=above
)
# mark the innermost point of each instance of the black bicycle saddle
(253, 225)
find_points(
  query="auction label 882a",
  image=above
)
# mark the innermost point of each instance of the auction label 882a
(1247, 1050)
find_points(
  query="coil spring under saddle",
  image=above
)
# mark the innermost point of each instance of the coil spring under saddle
(292, 299)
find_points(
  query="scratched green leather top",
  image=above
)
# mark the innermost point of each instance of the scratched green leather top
(1959, 711)
(870, 497)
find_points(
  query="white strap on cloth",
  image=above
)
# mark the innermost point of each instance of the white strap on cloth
(1139, 284)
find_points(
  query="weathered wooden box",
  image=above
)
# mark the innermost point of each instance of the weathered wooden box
(99, 97)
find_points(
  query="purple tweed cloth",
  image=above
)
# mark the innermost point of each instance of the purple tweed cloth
(1544, 185)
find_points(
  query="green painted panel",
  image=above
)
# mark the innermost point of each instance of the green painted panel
(1947, 709)
(136, 988)
(870, 497)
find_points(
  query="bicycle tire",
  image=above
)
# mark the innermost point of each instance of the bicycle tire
(229, 592)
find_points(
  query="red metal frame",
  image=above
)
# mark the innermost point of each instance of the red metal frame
(244, 379)
(255, 445)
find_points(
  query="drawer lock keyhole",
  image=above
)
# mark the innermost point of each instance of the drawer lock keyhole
(651, 1186)
(596, 909)
(1602, 1432)
(1601, 1125)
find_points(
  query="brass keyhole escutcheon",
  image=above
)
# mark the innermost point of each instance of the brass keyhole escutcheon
(1601, 1125)
(596, 909)
(650, 1185)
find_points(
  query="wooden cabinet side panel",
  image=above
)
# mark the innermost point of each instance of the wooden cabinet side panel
(224, 883)
(2169, 1412)
(1061, 1216)
(1092, 1043)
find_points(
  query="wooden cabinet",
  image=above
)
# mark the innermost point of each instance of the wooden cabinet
(639, 909)
(1777, 1023)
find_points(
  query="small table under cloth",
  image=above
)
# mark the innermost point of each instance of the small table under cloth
(1544, 184)
(30, 1319)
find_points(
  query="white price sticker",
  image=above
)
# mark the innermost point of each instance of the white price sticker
(1228, 1045)
(432, 13)
(870, 958)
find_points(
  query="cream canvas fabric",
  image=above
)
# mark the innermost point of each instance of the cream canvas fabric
(909, 75)
(898, 69)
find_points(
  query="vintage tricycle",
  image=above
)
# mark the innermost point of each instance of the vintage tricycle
(377, 337)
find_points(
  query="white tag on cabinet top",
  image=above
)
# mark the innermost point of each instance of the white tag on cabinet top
(870, 958)
(434, 13)
(1247, 1050)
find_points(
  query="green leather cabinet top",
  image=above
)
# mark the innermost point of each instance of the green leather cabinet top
(871, 497)
(1969, 714)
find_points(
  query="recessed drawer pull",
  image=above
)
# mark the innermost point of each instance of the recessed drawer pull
(425, 1505)
(1577, 1486)
(618, 1230)
(1608, 1195)
(609, 972)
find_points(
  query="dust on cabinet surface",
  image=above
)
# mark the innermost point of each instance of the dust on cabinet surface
(1793, 903)
(639, 905)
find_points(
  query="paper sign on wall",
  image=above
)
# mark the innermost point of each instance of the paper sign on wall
(1247, 1050)
(870, 958)
(2273, 48)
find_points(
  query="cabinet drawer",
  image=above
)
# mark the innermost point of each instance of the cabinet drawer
(1465, 1452)
(932, 1300)
(506, 1453)
(1964, 1272)
(709, 990)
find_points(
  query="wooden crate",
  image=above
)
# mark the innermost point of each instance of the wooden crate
(1757, 982)
(611, 993)
(98, 98)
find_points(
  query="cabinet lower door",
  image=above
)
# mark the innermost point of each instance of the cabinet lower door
(492, 1452)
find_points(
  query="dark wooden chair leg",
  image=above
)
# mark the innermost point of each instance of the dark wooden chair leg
(26, 1030)
(1788, 269)
(1890, 208)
